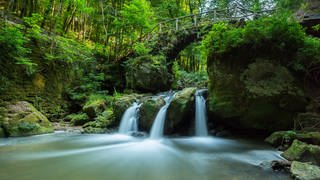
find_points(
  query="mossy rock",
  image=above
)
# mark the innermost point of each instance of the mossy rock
(304, 171)
(94, 107)
(300, 151)
(309, 137)
(101, 123)
(148, 111)
(94, 127)
(281, 138)
(240, 95)
(23, 119)
(148, 74)
(181, 111)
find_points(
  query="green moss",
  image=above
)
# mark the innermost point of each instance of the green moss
(281, 138)
(24, 119)
(96, 104)
(78, 119)
(300, 151)
(104, 120)
(148, 111)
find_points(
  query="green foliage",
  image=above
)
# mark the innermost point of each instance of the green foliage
(316, 27)
(78, 119)
(308, 56)
(281, 33)
(140, 49)
(184, 79)
(33, 25)
(291, 5)
(136, 18)
(87, 90)
(68, 51)
(13, 48)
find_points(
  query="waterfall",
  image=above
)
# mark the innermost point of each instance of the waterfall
(158, 124)
(201, 114)
(129, 119)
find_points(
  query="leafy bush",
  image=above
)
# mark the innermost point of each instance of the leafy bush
(12, 48)
(281, 33)
(185, 79)
(33, 25)
(78, 119)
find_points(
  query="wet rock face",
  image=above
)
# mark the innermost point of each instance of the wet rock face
(181, 111)
(148, 111)
(148, 74)
(23, 119)
(300, 151)
(304, 171)
(253, 95)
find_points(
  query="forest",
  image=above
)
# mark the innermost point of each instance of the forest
(151, 89)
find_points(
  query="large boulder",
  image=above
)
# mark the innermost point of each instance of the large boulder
(181, 111)
(300, 151)
(148, 111)
(23, 119)
(148, 74)
(304, 171)
(309, 137)
(259, 95)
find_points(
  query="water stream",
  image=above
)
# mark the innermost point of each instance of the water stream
(201, 114)
(159, 122)
(129, 120)
(68, 156)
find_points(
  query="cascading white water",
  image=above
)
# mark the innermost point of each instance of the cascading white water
(129, 119)
(201, 114)
(158, 124)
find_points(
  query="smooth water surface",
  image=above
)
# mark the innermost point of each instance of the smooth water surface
(112, 157)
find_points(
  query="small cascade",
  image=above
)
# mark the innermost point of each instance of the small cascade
(201, 114)
(158, 124)
(129, 119)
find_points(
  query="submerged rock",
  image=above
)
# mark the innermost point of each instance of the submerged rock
(304, 171)
(148, 111)
(300, 151)
(23, 119)
(181, 110)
